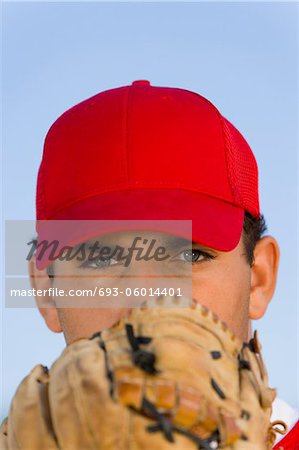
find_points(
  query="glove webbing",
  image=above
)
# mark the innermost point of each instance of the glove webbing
(145, 360)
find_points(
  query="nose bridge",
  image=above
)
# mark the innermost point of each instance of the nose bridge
(146, 274)
(153, 262)
(143, 277)
(152, 274)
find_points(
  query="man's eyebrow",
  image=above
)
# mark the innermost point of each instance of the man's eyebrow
(90, 243)
(204, 248)
(179, 242)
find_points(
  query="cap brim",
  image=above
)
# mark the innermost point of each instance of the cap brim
(215, 223)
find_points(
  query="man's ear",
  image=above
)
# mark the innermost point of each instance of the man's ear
(263, 276)
(40, 279)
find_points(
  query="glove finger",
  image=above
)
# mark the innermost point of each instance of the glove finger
(256, 398)
(83, 412)
(29, 421)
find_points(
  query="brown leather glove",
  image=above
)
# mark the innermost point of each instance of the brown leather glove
(162, 378)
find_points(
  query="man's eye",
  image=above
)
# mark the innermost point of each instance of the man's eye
(99, 263)
(194, 256)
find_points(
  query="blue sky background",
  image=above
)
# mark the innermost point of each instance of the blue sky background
(241, 56)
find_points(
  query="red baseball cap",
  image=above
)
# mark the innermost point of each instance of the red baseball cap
(142, 152)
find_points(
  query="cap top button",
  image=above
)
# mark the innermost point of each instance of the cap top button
(141, 82)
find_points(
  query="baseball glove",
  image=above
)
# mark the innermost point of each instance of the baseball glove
(162, 378)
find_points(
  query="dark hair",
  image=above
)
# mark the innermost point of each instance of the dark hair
(253, 229)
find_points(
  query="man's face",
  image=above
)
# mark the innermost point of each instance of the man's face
(220, 280)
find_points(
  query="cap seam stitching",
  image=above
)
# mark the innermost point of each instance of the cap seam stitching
(126, 136)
